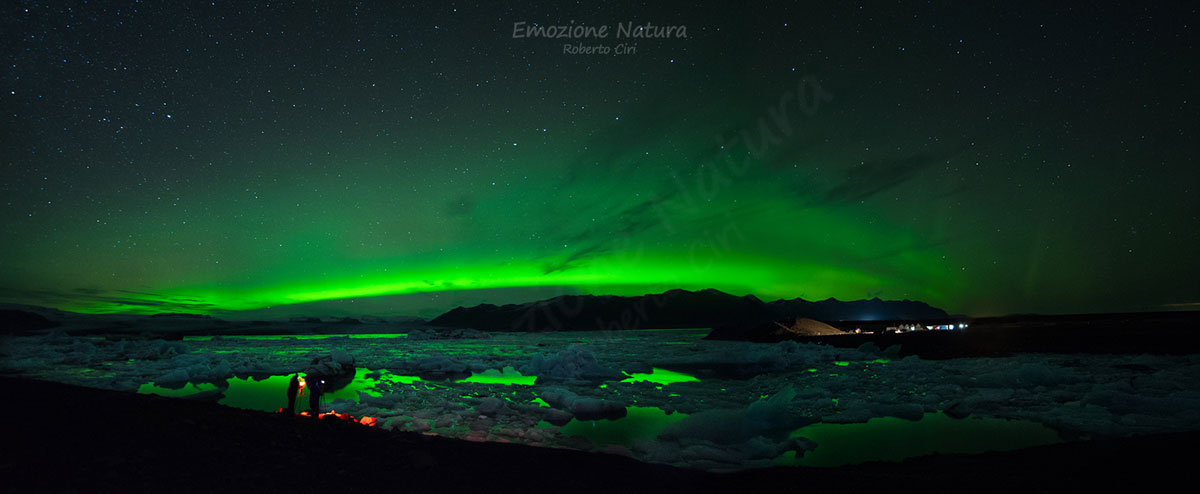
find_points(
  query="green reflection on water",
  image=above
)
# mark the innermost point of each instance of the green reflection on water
(640, 424)
(659, 376)
(894, 439)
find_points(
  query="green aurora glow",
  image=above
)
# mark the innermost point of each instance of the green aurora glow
(771, 153)
(771, 267)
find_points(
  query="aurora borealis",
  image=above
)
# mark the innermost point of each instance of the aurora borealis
(378, 158)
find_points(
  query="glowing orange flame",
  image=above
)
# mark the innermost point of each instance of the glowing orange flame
(364, 420)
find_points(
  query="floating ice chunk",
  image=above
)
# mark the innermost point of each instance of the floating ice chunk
(421, 335)
(490, 406)
(440, 364)
(343, 405)
(576, 362)
(174, 379)
(763, 417)
(168, 349)
(555, 416)
(772, 412)
(336, 363)
(342, 358)
(558, 397)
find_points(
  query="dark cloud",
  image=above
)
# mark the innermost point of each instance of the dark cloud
(632, 130)
(108, 300)
(684, 120)
(919, 245)
(864, 181)
(610, 233)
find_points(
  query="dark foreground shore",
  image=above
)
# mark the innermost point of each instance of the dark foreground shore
(62, 438)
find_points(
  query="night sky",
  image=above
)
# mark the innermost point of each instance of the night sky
(405, 159)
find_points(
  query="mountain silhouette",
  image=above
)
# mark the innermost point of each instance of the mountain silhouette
(671, 309)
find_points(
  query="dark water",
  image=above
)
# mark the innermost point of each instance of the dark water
(894, 439)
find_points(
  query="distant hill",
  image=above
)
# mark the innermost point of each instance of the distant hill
(670, 309)
(19, 322)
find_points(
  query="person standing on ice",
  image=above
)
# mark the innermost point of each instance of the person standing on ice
(314, 395)
(293, 389)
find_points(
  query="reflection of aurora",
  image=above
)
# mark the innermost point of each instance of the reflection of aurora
(660, 376)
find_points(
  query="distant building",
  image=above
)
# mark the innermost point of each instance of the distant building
(910, 327)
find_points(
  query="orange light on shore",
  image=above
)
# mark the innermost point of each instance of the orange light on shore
(364, 420)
